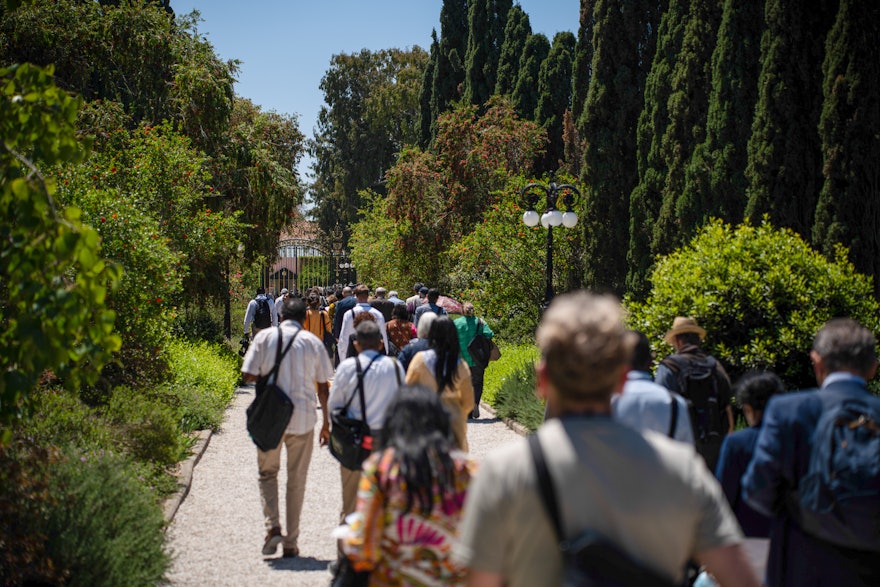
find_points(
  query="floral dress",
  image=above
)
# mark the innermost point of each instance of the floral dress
(406, 548)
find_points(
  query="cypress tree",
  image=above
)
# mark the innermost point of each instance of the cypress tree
(554, 97)
(525, 91)
(583, 59)
(848, 211)
(785, 157)
(516, 33)
(680, 213)
(716, 174)
(448, 80)
(646, 198)
(425, 115)
(623, 45)
(486, 22)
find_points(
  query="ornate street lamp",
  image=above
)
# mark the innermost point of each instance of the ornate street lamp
(552, 217)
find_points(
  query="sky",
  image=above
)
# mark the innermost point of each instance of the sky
(285, 46)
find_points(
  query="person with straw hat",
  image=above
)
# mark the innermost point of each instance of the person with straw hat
(703, 382)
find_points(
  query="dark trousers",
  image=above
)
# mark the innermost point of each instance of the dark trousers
(477, 374)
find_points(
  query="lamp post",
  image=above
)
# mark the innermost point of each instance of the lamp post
(349, 269)
(534, 193)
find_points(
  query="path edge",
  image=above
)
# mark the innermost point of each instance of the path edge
(185, 475)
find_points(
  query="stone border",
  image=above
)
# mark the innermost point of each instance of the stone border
(512, 424)
(185, 474)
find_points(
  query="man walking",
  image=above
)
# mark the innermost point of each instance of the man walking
(260, 312)
(644, 405)
(417, 299)
(381, 377)
(304, 368)
(342, 307)
(361, 295)
(431, 306)
(646, 494)
(381, 303)
(813, 543)
(701, 380)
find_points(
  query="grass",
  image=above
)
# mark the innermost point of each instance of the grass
(510, 385)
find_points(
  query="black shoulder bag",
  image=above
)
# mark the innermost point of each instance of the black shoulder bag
(590, 559)
(270, 412)
(351, 440)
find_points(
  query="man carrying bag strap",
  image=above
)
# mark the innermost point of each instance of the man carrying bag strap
(302, 370)
(270, 412)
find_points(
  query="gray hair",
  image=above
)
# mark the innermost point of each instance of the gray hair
(425, 321)
(843, 344)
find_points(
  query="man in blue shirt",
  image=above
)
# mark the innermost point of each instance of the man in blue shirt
(844, 358)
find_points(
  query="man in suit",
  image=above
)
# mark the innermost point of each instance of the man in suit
(844, 358)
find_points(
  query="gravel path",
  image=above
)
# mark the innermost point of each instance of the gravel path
(217, 533)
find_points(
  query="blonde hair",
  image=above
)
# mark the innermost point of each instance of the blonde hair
(584, 344)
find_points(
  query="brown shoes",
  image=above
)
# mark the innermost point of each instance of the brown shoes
(291, 553)
(273, 539)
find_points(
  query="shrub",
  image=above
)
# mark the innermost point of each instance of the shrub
(108, 528)
(204, 378)
(513, 357)
(148, 426)
(761, 294)
(516, 398)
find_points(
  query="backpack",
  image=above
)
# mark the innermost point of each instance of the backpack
(698, 385)
(839, 497)
(263, 315)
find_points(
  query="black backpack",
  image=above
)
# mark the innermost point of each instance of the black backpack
(263, 315)
(698, 385)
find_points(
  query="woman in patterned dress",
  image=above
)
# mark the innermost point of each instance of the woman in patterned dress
(411, 496)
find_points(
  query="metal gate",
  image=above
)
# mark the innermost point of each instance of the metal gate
(303, 264)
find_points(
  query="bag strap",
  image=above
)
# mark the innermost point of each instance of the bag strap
(360, 384)
(273, 374)
(545, 486)
(674, 419)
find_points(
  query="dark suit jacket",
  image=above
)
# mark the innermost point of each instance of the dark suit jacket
(342, 306)
(736, 452)
(782, 457)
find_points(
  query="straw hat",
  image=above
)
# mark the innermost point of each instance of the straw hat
(683, 325)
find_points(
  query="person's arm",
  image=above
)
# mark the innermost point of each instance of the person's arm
(344, 335)
(484, 579)
(273, 311)
(665, 377)
(466, 387)
(249, 377)
(248, 316)
(727, 474)
(323, 395)
(730, 421)
(772, 466)
(730, 566)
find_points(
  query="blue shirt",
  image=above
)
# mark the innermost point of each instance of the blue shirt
(644, 405)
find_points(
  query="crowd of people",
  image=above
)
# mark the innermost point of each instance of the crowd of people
(630, 466)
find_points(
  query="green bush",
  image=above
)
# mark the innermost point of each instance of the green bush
(147, 426)
(761, 294)
(107, 527)
(513, 357)
(204, 378)
(199, 323)
(516, 398)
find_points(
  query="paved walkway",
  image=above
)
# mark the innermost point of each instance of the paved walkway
(217, 533)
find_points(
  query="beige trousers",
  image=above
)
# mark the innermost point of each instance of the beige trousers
(350, 481)
(299, 453)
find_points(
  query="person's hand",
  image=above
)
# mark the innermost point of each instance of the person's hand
(324, 437)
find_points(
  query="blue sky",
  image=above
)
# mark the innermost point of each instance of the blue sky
(285, 46)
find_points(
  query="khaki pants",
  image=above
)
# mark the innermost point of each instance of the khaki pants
(299, 453)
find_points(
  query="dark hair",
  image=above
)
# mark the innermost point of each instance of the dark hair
(843, 343)
(443, 338)
(642, 355)
(417, 429)
(756, 387)
(293, 308)
(261, 290)
(362, 317)
(314, 300)
(688, 338)
(400, 312)
(433, 294)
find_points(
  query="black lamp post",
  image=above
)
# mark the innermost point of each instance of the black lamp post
(532, 194)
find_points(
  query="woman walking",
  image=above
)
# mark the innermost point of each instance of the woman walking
(411, 496)
(468, 326)
(442, 369)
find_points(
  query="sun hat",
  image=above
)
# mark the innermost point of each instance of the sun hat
(683, 325)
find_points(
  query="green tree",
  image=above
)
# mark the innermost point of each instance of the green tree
(371, 112)
(848, 211)
(715, 178)
(53, 277)
(516, 33)
(761, 293)
(554, 91)
(623, 43)
(680, 212)
(525, 91)
(486, 22)
(646, 198)
(581, 67)
(448, 78)
(785, 159)
(426, 117)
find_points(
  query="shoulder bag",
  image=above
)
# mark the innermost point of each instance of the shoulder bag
(270, 412)
(483, 349)
(589, 559)
(351, 440)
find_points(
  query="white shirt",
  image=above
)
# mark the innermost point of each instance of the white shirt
(251, 312)
(381, 382)
(347, 328)
(304, 365)
(645, 405)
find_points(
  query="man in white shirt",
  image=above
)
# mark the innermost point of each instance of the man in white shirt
(382, 376)
(362, 295)
(645, 405)
(255, 314)
(303, 369)
(282, 295)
